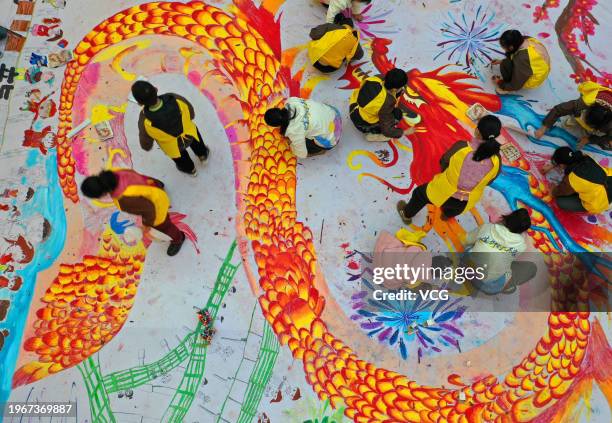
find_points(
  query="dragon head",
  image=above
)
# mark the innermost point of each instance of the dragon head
(434, 102)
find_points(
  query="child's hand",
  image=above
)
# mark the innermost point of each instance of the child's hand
(496, 62)
(547, 168)
(541, 131)
(582, 142)
(358, 17)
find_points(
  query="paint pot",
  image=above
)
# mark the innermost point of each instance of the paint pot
(476, 111)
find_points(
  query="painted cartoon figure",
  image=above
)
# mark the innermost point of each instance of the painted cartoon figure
(43, 140)
(52, 60)
(35, 74)
(42, 107)
(58, 4)
(17, 247)
(60, 58)
(13, 283)
(51, 30)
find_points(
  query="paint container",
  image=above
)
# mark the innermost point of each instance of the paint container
(104, 131)
(476, 112)
(59, 58)
(510, 152)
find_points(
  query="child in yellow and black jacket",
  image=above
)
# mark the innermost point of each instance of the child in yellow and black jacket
(333, 44)
(527, 63)
(168, 120)
(586, 185)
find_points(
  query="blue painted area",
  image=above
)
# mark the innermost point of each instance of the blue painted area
(47, 201)
(117, 226)
(515, 107)
(32, 160)
(513, 184)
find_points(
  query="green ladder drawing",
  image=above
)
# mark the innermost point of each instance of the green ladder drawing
(141, 375)
(260, 376)
(192, 378)
(96, 392)
(99, 387)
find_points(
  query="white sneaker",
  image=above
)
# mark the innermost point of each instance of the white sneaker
(377, 138)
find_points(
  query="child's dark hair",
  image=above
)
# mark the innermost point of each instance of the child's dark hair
(340, 19)
(598, 116)
(98, 185)
(395, 79)
(567, 156)
(511, 40)
(489, 128)
(279, 118)
(518, 221)
(144, 93)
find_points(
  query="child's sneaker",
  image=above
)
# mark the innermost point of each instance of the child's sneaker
(173, 249)
(194, 172)
(401, 205)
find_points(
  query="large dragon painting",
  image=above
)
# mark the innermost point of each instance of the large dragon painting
(76, 313)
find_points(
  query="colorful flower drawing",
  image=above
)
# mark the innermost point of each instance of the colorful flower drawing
(470, 40)
(430, 325)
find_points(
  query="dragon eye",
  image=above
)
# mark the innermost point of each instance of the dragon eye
(412, 118)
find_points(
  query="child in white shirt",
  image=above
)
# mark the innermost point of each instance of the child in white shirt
(312, 127)
(495, 246)
(339, 6)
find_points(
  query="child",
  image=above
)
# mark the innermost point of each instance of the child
(140, 195)
(586, 186)
(592, 111)
(467, 168)
(168, 120)
(495, 246)
(373, 106)
(335, 7)
(390, 251)
(526, 65)
(332, 44)
(313, 128)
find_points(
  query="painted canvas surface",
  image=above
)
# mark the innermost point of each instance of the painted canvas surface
(93, 311)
